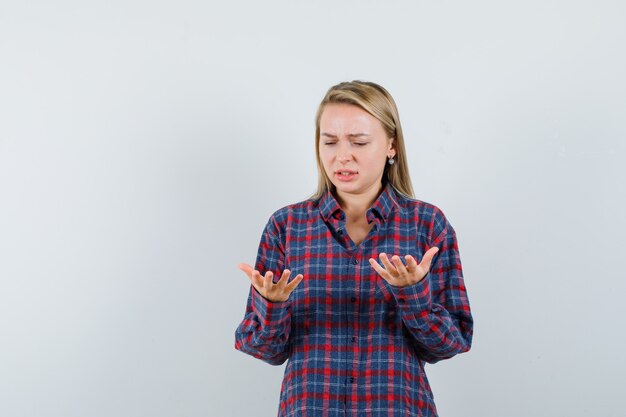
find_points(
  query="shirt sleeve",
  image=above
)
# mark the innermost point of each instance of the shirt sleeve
(436, 310)
(264, 330)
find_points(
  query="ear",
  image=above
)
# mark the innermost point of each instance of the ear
(392, 147)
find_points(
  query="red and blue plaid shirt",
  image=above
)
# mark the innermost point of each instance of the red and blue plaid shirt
(355, 345)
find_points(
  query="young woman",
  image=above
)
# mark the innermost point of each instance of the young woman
(362, 284)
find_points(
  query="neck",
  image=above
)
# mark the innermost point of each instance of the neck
(358, 204)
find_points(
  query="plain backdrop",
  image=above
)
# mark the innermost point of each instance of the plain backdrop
(144, 144)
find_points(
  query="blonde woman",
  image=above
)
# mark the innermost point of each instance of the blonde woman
(360, 285)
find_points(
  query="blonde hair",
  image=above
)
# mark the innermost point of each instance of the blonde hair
(377, 101)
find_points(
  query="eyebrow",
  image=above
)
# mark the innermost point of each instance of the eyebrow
(352, 135)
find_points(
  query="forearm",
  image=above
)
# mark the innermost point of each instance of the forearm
(264, 331)
(437, 332)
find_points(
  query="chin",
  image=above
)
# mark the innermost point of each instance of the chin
(347, 188)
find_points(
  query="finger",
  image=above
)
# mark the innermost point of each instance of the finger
(381, 271)
(268, 280)
(256, 279)
(398, 263)
(284, 277)
(294, 283)
(249, 271)
(388, 266)
(246, 268)
(428, 257)
(411, 263)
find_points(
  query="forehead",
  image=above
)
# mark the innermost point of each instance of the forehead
(348, 117)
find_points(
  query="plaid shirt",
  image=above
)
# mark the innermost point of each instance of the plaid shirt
(356, 345)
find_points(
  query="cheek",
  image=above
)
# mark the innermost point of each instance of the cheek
(374, 158)
(325, 156)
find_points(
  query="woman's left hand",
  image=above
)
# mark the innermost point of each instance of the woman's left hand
(399, 275)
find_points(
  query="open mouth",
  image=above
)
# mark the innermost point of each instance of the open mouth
(345, 175)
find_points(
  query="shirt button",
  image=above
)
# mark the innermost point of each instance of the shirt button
(352, 380)
(353, 299)
(353, 339)
(401, 300)
(355, 261)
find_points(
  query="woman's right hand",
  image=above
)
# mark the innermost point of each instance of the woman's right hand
(275, 292)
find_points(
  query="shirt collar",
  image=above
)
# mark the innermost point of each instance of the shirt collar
(384, 204)
(329, 206)
(381, 208)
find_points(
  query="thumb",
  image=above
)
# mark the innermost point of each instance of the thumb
(428, 257)
(248, 270)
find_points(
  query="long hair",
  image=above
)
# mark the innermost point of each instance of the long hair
(377, 101)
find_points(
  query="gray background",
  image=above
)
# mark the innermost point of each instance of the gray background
(144, 144)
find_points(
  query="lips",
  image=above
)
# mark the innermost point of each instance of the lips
(345, 175)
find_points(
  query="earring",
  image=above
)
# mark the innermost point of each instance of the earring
(391, 161)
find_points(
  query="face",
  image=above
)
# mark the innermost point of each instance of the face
(353, 149)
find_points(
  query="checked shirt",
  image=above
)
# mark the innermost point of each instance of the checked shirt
(354, 344)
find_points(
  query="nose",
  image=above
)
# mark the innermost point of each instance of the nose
(344, 153)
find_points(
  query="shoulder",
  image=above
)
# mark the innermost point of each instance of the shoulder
(295, 213)
(426, 214)
(300, 209)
